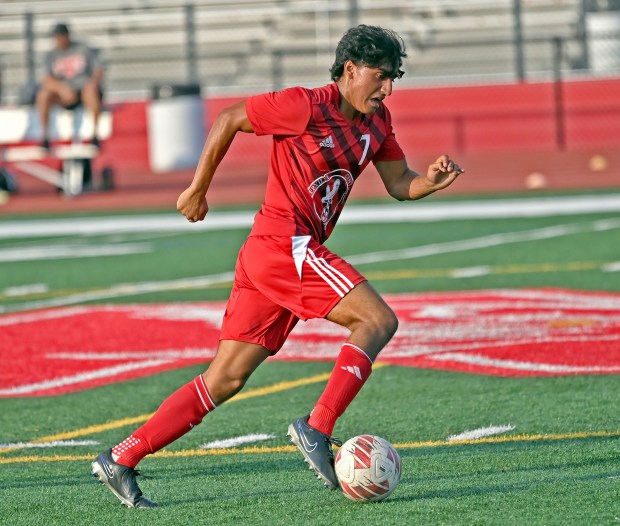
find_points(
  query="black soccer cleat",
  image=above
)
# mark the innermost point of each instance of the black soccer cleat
(120, 480)
(316, 447)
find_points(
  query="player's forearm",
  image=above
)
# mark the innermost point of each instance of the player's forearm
(210, 158)
(218, 142)
(410, 186)
(419, 187)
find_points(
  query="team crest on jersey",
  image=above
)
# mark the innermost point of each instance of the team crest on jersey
(330, 191)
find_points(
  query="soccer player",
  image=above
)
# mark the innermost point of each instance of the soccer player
(323, 139)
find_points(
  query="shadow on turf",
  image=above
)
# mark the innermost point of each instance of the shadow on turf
(218, 475)
(199, 467)
(234, 495)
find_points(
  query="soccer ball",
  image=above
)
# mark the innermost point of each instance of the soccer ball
(368, 468)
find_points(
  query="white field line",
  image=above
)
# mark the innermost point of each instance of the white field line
(237, 441)
(471, 272)
(168, 355)
(30, 317)
(94, 226)
(434, 350)
(124, 290)
(82, 377)
(353, 214)
(25, 290)
(71, 251)
(480, 433)
(492, 240)
(572, 299)
(520, 366)
(55, 443)
(612, 267)
(486, 209)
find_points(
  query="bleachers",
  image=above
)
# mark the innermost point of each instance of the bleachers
(144, 41)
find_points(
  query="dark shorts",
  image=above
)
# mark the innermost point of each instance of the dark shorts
(78, 101)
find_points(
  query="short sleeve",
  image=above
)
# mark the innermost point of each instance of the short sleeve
(390, 150)
(285, 112)
(95, 58)
(48, 62)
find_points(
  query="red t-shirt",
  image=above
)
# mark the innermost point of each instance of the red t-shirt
(316, 157)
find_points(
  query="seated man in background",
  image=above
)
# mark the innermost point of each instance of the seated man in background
(73, 75)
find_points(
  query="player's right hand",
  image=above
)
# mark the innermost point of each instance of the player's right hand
(192, 205)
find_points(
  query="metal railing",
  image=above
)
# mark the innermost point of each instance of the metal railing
(276, 54)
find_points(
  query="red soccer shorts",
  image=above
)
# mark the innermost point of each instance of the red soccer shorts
(279, 280)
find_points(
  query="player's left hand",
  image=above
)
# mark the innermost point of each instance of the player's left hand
(443, 172)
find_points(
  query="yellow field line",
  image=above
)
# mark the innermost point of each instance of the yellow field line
(253, 450)
(511, 438)
(251, 393)
(97, 428)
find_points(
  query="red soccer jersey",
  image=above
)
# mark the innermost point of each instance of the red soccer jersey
(316, 157)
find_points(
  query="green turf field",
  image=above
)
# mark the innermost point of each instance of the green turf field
(558, 466)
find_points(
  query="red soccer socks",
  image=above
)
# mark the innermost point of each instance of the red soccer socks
(178, 414)
(352, 369)
(186, 407)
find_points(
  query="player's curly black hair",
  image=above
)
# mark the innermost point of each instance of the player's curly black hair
(370, 46)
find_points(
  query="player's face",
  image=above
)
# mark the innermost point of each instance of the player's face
(368, 87)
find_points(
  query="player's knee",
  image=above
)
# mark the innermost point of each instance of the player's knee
(229, 385)
(235, 384)
(389, 322)
(383, 324)
(48, 84)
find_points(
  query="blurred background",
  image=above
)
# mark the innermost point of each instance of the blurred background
(524, 93)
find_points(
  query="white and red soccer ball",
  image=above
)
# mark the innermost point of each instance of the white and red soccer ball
(368, 468)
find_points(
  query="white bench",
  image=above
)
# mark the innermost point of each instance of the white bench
(19, 125)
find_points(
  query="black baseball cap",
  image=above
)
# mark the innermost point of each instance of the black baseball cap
(60, 29)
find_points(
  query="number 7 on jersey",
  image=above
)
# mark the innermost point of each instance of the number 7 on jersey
(366, 139)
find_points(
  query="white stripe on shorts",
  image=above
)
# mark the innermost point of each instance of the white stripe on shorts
(329, 274)
(300, 247)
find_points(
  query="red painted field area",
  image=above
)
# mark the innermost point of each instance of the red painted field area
(498, 332)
